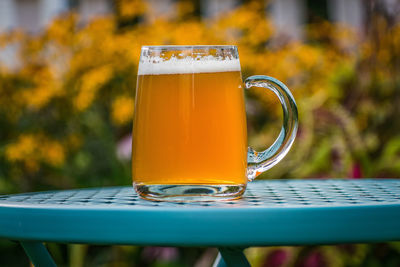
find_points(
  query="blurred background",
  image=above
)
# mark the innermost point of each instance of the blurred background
(67, 84)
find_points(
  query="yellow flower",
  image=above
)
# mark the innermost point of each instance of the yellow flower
(62, 29)
(122, 109)
(39, 96)
(92, 81)
(23, 148)
(73, 141)
(31, 149)
(185, 8)
(131, 8)
(53, 153)
(46, 86)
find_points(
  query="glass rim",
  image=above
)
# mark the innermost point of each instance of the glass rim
(185, 47)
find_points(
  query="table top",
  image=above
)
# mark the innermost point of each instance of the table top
(272, 212)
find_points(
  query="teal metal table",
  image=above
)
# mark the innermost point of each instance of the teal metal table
(278, 212)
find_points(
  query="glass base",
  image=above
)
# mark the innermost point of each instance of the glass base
(189, 193)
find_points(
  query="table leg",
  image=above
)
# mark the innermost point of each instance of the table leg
(231, 257)
(38, 254)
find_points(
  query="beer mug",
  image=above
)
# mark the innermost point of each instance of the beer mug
(189, 132)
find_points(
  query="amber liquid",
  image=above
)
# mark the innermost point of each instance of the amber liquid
(190, 129)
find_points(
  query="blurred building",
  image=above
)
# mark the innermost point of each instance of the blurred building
(34, 15)
(30, 15)
(289, 15)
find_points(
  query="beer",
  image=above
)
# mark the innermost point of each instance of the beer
(190, 124)
(189, 132)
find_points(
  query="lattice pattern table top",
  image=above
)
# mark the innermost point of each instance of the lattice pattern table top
(273, 212)
(273, 193)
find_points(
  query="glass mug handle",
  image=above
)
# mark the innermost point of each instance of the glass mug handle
(259, 162)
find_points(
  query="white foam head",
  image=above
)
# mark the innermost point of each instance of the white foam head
(157, 65)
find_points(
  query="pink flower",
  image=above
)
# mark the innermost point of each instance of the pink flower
(124, 148)
(160, 253)
(356, 171)
(276, 258)
(314, 259)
